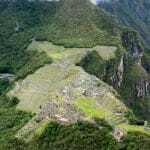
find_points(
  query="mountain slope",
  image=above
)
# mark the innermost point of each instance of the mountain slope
(65, 93)
(55, 104)
(80, 24)
(20, 22)
(134, 14)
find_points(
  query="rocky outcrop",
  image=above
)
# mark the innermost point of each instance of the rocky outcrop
(17, 27)
(142, 88)
(117, 78)
(133, 44)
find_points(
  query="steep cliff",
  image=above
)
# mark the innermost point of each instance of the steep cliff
(117, 78)
(133, 44)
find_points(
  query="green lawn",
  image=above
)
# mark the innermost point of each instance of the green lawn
(127, 127)
(91, 107)
(105, 52)
(59, 52)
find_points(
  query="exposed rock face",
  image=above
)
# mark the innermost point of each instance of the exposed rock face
(10, 77)
(133, 44)
(117, 79)
(17, 27)
(142, 88)
(118, 134)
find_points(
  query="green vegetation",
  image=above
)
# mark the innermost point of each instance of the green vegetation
(46, 81)
(92, 63)
(42, 85)
(138, 20)
(80, 136)
(133, 73)
(83, 25)
(13, 42)
(60, 52)
(102, 64)
(131, 14)
(4, 84)
(11, 121)
(77, 136)
(106, 52)
(146, 61)
(79, 28)
(135, 141)
(19, 27)
(139, 128)
(56, 52)
(35, 62)
(91, 107)
(50, 81)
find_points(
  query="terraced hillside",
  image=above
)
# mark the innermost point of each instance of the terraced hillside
(62, 79)
(65, 93)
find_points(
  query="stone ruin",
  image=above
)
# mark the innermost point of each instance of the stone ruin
(146, 125)
(118, 134)
(62, 112)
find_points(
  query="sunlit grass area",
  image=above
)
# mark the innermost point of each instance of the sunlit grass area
(91, 107)
(111, 102)
(127, 127)
(105, 52)
(53, 51)
(42, 85)
(59, 52)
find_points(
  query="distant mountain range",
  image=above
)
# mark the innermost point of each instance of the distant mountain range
(131, 13)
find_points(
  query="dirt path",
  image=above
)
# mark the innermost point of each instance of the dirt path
(33, 91)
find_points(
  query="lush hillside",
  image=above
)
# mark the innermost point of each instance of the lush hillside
(58, 60)
(131, 13)
(80, 24)
(126, 72)
(20, 22)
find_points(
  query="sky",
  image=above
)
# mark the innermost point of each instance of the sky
(94, 1)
